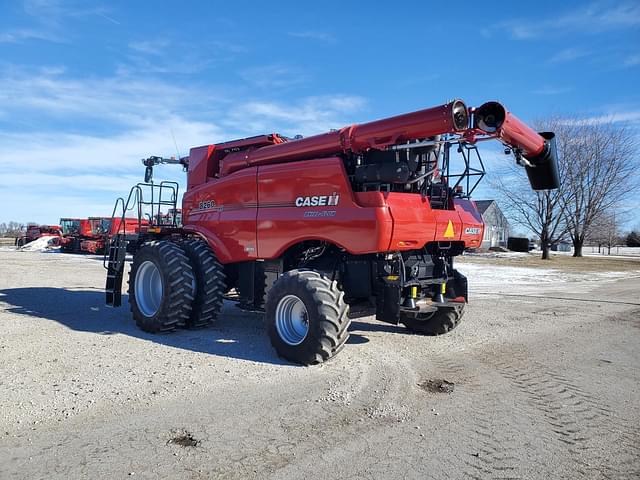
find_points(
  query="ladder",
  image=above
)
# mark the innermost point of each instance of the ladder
(116, 253)
(115, 269)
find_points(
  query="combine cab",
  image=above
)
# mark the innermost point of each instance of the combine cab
(314, 231)
(74, 230)
(103, 228)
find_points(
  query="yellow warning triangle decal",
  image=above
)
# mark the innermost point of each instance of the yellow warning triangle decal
(449, 233)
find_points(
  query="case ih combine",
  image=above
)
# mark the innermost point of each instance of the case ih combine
(318, 230)
(35, 231)
(91, 235)
(102, 228)
(73, 231)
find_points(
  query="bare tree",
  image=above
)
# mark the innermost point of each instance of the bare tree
(605, 231)
(541, 212)
(12, 229)
(599, 172)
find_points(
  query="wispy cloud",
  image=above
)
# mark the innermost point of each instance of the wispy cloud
(83, 171)
(274, 76)
(170, 56)
(46, 20)
(118, 100)
(307, 116)
(622, 116)
(596, 17)
(323, 37)
(550, 90)
(150, 47)
(632, 60)
(53, 12)
(568, 55)
(24, 34)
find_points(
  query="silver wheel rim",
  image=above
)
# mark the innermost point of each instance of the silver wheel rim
(292, 320)
(149, 289)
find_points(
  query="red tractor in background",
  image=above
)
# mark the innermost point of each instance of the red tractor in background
(102, 228)
(91, 235)
(314, 231)
(74, 230)
(35, 231)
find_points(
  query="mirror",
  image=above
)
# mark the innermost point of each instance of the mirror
(148, 174)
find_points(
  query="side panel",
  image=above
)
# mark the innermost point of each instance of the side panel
(312, 200)
(224, 211)
(414, 222)
(198, 163)
(472, 224)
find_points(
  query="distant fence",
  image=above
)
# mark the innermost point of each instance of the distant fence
(615, 250)
(7, 241)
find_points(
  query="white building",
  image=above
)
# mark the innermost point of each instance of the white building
(496, 226)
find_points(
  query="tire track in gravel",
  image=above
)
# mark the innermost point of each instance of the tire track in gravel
(494, 457)
(489, 451)
(574, 417)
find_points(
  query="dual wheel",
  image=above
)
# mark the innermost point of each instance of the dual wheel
(182, 284)
(175, 285)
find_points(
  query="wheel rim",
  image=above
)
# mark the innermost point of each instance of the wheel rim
(292, 320)
(149, 289)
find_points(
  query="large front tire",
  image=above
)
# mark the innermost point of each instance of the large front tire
(160, 287)
(439, 322)
(307, 317)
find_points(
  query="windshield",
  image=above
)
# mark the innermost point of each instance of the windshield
(69, 226)
(100, 226)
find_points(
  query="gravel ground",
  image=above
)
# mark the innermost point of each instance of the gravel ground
(537, 382)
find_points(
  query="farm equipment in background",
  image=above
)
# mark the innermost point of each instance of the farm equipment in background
(102, 228)
(314, 231)
(91, 235)
(172, 216)
(73, 231)
(34, 231)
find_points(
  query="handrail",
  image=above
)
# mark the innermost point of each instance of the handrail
(135, 199)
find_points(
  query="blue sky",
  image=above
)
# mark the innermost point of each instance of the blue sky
(87, 89)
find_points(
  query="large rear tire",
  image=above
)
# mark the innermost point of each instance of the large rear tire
(161, 287)
(307, 317)
(209, 283)
(439, 322)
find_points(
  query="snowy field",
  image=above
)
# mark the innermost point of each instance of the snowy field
(486, 277)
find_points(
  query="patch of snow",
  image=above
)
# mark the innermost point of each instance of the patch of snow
(496, 254)
(41, 244)
(484, 278)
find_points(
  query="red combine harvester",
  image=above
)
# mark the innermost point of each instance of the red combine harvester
(35, 231)
(102, 228)
(91, 235)
(73, 231)
(315, 231)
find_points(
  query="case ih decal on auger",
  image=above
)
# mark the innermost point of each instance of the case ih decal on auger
(315, 231)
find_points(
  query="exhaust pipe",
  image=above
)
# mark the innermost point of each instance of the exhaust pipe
(539, 149)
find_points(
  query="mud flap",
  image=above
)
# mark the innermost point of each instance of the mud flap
(459, 287)
(388, 302)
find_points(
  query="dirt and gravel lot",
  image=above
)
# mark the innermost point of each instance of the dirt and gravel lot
(541, 380)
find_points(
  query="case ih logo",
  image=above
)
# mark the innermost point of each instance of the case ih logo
(318, 201)
(472, 231)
